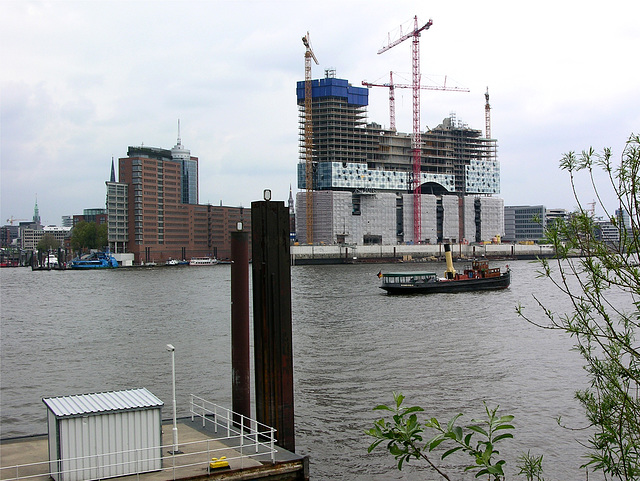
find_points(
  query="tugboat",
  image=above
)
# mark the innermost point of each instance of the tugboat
(477, 277)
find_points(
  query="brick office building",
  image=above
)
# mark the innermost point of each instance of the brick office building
(154, 212)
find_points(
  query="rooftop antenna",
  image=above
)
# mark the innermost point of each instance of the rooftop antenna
(179, 140)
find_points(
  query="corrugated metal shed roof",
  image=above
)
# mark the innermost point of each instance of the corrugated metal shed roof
(78, 405)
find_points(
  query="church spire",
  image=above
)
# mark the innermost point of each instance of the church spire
(113, 170)
(36, 214)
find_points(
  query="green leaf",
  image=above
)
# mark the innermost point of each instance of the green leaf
(478, 429)
(373, 445)
(435, 442)
(413, 409)
(504, 426)
(503, 436)
(453, 420)
(451, 451)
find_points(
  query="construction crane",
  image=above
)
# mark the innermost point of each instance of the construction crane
(308, 133)
(487, 115)
(391, 86)
(392, 98)
(416, 140)
(12, 219)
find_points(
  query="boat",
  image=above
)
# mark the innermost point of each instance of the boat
(172, 262)
(476, 277)
(95, 260)
(203, 261)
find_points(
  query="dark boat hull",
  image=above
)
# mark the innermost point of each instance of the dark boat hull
(445, 286)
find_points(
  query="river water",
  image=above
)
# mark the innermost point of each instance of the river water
(73, 332)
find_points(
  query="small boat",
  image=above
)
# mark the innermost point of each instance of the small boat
(172, 262)
(203, 261)
(477, 277)
(95, 260)
(52, 261)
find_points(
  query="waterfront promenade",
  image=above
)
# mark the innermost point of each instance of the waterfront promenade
(352, 254)
(27, 458)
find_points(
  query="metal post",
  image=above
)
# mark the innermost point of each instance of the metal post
(240, 358)
(273, 346)
(172, 350)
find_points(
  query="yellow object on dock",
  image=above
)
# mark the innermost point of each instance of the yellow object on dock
(219, 463)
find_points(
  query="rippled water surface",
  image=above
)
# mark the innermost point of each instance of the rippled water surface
(74, 332)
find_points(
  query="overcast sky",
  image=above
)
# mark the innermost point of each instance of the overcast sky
(82, 81)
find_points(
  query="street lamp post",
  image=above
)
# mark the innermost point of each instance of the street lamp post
(172, 350)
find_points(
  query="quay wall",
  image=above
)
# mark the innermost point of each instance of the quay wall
(349, 254)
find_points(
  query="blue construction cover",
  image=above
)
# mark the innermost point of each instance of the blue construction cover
(334, 87)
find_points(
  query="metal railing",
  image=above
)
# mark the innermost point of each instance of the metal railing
(238, 438)
(242, 432)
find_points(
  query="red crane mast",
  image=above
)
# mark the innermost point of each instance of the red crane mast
(416, 139)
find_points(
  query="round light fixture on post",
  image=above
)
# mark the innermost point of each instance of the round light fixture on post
(267, 194)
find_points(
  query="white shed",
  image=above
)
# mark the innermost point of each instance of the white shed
(103, 435)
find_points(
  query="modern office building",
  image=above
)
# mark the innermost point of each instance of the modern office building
(153, 210)
(363, 173)
(624, 219)
(9, 235)
(523, 223)
(97, 215)
(118, 216)
(607, 232)
(554, 215)
(29, 237)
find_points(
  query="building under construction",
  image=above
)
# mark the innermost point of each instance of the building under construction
(362, 176)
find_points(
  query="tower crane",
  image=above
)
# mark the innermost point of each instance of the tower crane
(416, 140)
(487, 115)
(12, 219)
(391, 86)
(308, 133)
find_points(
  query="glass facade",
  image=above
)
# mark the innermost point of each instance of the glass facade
(351, 176)
(189, 181)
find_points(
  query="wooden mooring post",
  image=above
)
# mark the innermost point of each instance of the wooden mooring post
(273, 346)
